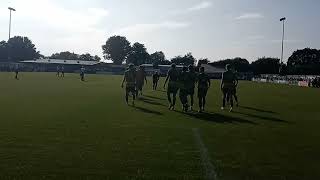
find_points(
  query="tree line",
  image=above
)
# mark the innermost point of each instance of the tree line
(21, 48)
(305, 61)
(301, 62)
(119, 50)
(264, 65)
(66, 55)
(18, 48)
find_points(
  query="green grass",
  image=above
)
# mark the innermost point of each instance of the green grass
(54, 128)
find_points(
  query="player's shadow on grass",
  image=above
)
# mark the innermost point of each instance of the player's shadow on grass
(153, 97)
(149, 101)
(262, 117)
(258, 110)
(161, 90)
(218, 118)
(144, 110)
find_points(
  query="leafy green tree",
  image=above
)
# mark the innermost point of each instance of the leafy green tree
(66, 55)
(304, 61)
(86, 57)
(138, 54)
(21, 48)
(165, 62)
(239, 64)
(97, 58)
(157, 58)
(266, 65)
(185, 60)
(3, 51)
(203, 61)
(117, 49)
(283, 69)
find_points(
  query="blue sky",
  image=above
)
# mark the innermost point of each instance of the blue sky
(215, 29)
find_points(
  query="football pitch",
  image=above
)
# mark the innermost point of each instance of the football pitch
(54, 128)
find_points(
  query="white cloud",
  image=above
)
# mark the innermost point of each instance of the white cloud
(256, 37)
(79, 43)
(202, 5)
(53, 27)
(98, 12)
(286, 41)
(144, 28)
(4, 12)
(249, 16)
(196, 7)
(51, 14)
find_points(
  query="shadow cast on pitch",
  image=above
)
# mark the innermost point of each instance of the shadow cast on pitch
(218, 118)
(258, 110)
(262, 117)
(148, 111)
(163, 91)
(149, 101)
(153, 97)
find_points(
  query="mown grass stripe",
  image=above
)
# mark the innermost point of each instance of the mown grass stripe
(208, 167)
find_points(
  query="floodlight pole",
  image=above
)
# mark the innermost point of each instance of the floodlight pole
(283, 22)
(10, 10)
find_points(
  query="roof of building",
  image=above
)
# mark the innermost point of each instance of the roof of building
(62, 61)
(168, 66)
(211, 69)
(208, 68)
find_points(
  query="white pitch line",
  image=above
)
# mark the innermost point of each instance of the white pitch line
(210, 173)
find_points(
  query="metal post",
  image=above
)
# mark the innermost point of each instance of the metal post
(282, 42)
(10, 10)
(9, 50)
(10, 24)
(281, 60)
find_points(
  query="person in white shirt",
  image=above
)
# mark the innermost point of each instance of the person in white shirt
(82, 70)
(16, 70)
(62, 71)
(58, 71)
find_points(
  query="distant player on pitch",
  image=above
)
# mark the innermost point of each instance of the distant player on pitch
(191, 83)
(62, 71)
(173, 86)
(130, 77)
(234, 90)
(228, 82)
(16, 70)
(82, 71)
(141, 78)
(184, 82)
(155, 78)
(58, 71)
(203, 86)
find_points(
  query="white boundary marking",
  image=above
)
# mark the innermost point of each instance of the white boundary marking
(210, 173)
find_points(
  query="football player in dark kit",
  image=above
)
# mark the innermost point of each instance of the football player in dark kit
(82, 71)
(155, 78)
(184, 87)
(234, 90)
(58, 71)
(191, 83)
(141, 77)
(173, 85)
(228, 83)
(16, 70)
(203, 86)
(130, 78)
(62, 71)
